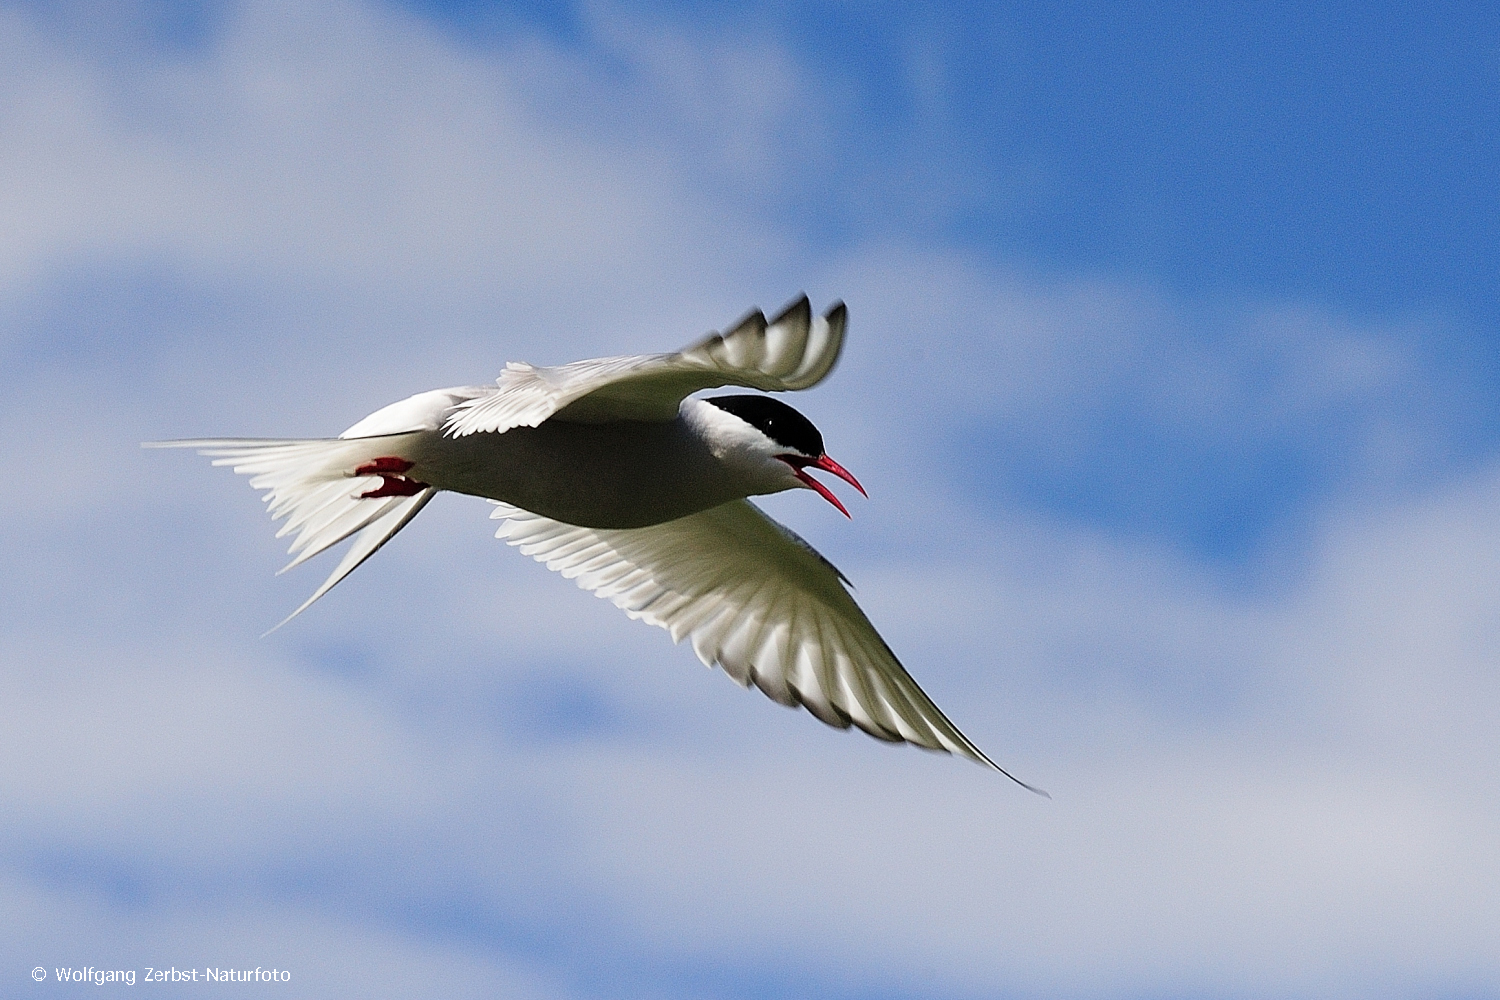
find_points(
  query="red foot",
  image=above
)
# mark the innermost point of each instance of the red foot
(395, 486)
(392, 482)
(386, 466)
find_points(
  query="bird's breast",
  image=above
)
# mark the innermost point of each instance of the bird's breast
(624, 474)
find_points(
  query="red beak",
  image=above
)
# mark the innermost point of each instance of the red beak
(827, 465)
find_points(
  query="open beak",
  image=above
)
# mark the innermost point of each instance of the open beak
(801, 465)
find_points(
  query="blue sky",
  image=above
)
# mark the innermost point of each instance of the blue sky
(1344, 156)
(1171, 374)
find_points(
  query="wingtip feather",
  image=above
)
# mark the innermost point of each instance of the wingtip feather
(798, 311)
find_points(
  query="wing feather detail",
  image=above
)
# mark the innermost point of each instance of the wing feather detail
(795, 350)
(756, 600)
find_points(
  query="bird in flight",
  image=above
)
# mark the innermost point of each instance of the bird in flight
(611, 473)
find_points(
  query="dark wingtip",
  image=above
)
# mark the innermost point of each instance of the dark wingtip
(754, 319)
(1030, 788)
(983, 758)
(801, 307)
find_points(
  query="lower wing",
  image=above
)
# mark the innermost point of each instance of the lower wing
(756, 600)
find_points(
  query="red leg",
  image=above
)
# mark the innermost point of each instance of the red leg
(392, 482)
(395, 486)
(388, 465)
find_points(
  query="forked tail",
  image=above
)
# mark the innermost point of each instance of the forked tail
(327, 489)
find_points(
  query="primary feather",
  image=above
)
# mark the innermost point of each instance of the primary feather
(792, 351)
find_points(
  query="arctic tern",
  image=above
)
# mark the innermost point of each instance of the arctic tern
(610, 472)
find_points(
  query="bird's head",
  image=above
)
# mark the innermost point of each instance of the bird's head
(774, 443)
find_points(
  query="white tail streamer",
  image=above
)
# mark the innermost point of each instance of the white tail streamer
(312, 485)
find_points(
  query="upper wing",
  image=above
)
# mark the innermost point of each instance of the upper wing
(792, 351)
(759, 602)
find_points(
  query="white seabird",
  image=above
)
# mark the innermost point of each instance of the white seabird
(608, 472)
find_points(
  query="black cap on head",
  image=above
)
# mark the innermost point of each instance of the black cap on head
(775, 420)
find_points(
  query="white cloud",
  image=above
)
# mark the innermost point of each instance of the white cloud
(340, 146)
